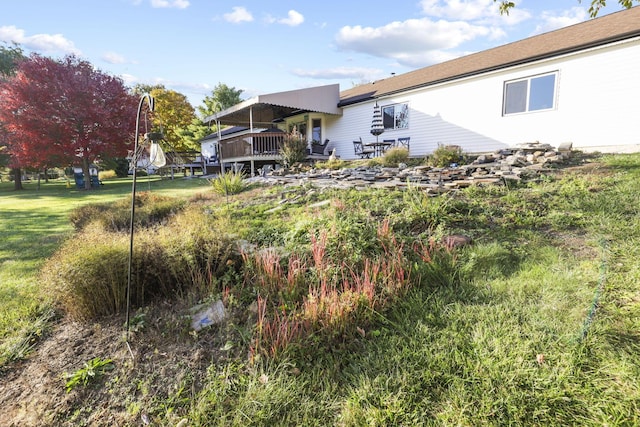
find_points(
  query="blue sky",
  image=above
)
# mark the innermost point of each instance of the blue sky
(264, 46)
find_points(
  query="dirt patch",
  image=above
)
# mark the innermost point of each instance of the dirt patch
(152, 383)
(575, 244)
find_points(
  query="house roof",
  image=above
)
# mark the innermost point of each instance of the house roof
(224, 132)
(233, 130)
(606, 29)
(264, 109)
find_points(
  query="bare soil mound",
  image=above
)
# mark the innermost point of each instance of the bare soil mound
(149, 384)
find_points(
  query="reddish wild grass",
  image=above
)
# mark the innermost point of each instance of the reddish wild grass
(334, 304)
(276, 333)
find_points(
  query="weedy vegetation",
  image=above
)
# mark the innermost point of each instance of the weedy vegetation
(91, 372)
(349, 307)
(229, 182)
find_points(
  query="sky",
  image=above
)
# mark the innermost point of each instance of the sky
(266, 46)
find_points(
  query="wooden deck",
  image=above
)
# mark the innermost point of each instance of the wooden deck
(255, 150)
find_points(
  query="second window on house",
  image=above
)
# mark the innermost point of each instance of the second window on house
(530, 94)
(395, 116)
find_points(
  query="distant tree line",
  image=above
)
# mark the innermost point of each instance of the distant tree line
(65, 112)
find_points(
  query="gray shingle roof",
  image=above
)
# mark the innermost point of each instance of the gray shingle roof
(606, 29)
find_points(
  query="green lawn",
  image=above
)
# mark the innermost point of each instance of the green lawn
(541, 326)
(536, 323)
(33, 222)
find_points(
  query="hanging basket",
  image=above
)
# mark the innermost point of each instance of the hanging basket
(154, 136)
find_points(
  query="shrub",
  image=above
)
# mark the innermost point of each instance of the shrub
(228, 183)
(120, 165)
(88, 275)
(110, 174)
(445, 155)
(151, 209)
(293, 150)
(333, 164)
(394, 156)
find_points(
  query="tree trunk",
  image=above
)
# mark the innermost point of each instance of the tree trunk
(17, 179)
(85, 172)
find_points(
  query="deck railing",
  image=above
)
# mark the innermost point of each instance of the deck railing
(252, 145)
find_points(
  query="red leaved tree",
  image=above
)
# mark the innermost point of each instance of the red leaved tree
(61, 112)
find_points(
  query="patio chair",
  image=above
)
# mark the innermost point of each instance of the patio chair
(403, 142)
(364, 153)
(237, 167)
(318, 148)
(391, 142)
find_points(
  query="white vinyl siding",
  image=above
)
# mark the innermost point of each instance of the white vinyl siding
(596, 105)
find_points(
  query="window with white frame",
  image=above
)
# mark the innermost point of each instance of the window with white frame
(395, 116)
(534, 93)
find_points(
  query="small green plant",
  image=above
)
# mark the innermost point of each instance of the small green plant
(445, 155)
(229, 183)
(93, 369)
(394, 156)
(333, 164)
(293, 150)
(138, 323)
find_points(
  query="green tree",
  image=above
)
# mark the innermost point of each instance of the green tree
(141, 88)
(9, 58)
(183, 129)
(594, 8)
(222, 97)
(172, 115)
(193, 133)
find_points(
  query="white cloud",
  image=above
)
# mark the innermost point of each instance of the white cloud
(293, 19)
(129, 79)
(553, 22)
(238, 15)
(178, 4)
(359, 73)
(44, 43)
(460, 9)
(481, 11)
(430, 57)
(113, 58)
(415, 42)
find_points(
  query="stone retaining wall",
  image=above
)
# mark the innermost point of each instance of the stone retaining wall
(523, 162)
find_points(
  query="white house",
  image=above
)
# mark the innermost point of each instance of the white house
(578, 84)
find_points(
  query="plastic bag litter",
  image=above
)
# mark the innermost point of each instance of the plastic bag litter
(210, 315)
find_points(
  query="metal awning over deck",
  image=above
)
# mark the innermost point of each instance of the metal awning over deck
(263, 110)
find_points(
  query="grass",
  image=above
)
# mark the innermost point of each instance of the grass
(539, 326)
(536, 323)
(33, 223)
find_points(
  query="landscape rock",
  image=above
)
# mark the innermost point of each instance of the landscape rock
(521, 163)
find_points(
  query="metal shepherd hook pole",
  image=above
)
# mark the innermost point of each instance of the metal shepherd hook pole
(150, 103)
